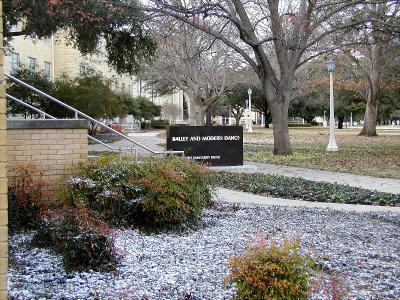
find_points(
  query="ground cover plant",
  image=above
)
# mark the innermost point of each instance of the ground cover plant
(301, 189)
(153, 194)
(375, 156)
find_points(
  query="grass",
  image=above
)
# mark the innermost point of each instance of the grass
(375, 156)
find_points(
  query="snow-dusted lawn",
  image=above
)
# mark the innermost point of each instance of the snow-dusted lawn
(364, 249)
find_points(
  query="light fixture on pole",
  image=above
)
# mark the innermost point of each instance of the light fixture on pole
(249, 91)
(351, 119)
(246, 114)
(332, 141)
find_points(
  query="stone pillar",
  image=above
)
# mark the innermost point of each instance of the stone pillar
(3, 173)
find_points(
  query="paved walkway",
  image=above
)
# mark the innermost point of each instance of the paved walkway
(387, 185)
(146, 138)
(242, 197)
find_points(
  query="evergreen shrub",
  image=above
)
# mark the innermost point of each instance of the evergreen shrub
(159, 124)
(89, 251)
(153, 194)
(271, 272)
(80, 237)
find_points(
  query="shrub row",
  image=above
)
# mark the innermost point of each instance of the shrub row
(155, 194)
(299, 125)
(298, 188)
(159, 124)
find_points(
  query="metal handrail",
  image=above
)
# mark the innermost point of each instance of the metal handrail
(77, 113)
(52, 117)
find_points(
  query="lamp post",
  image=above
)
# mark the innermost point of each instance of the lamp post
(332, 141)
(351, 120)
(249, 91)
(246, 114)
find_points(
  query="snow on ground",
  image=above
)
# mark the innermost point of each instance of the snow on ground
(362, 249)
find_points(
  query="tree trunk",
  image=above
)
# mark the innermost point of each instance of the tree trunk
(279, 110)
(237, 119)
(267, 115)
(308, 119)
(196, 114)
(369, 128)
(267, 119)
(371, 111)
(208, 116)
(340, 122)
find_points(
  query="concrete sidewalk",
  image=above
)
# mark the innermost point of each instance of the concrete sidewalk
(231, 196)
(387, 185)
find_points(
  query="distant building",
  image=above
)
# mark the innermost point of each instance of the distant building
(56, 57)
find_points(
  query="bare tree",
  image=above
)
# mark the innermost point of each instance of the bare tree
(171, 112)
(274, 37)
(192, 61)
(376, 59)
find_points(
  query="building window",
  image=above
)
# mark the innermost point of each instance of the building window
(123, 87)
(47, 70)
(46, 40)
(82, 70)
(14, 28)
(14, 62)
(32, 64)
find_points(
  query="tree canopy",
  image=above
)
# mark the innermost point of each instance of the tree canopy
(140, 107)
(275, 38)
(37, 79)
(118, 23)
(89, 94)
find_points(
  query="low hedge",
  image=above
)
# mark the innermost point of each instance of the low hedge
(153, 194)
(159, 124)
(300, 125)
(298, 188)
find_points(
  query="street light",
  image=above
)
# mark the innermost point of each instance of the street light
(246, 114)
(332, 141)
(249, 91)
(351, 120)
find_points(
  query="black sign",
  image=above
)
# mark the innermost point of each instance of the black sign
(214, 145)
